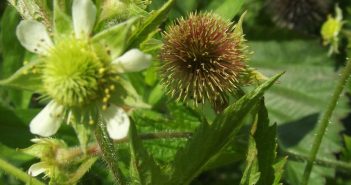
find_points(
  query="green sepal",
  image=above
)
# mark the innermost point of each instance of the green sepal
(25, 78)
(82, 170)
(44, 148)
(62, 22)
(114, 39)
(113, 11)
(127, 95)
(209, 140)
(149, 25)
(238, 27)
(143, 169)
(83, 132)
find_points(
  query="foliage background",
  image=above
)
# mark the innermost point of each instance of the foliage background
(294, 104)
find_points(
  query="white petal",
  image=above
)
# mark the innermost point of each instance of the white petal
(117, 122)
(48, 121)
(132, 61)
(34, 36)
(83, 15)
(36, 169)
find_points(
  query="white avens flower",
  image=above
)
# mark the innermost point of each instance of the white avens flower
(79, 75)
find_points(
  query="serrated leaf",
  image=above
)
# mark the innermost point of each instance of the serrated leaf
(295, 103)
(143, 169)
(149, 25)
(226, 8)
(279, 170)
(265, 138)
(209, 140)
(261, 157)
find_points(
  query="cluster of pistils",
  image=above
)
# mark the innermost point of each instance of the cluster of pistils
(202, 59)
(76, 77)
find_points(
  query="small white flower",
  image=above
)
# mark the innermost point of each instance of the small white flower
(35, 38)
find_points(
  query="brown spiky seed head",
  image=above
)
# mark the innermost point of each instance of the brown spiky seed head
(305, 16)
(202, 59)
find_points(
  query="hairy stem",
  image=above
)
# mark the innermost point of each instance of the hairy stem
(93, 149)
(108, 151)
(330, 163)
(323, 122)
(23, 176)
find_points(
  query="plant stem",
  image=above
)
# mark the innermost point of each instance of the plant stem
(23, 176)
(324, 121)
(108, 151)
(339, 165)
(93, 149)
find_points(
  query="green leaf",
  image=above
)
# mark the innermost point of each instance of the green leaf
(265, 138)
(261, 160)
(172, 118)
(295, 103)
(226, 8)
(143, 168)
(251, 173)
(279, 170)
(209, 140)
(149, 25)
(114, 39)
(12, 154)
(14, 127)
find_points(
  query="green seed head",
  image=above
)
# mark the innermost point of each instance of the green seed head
(72, 73)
